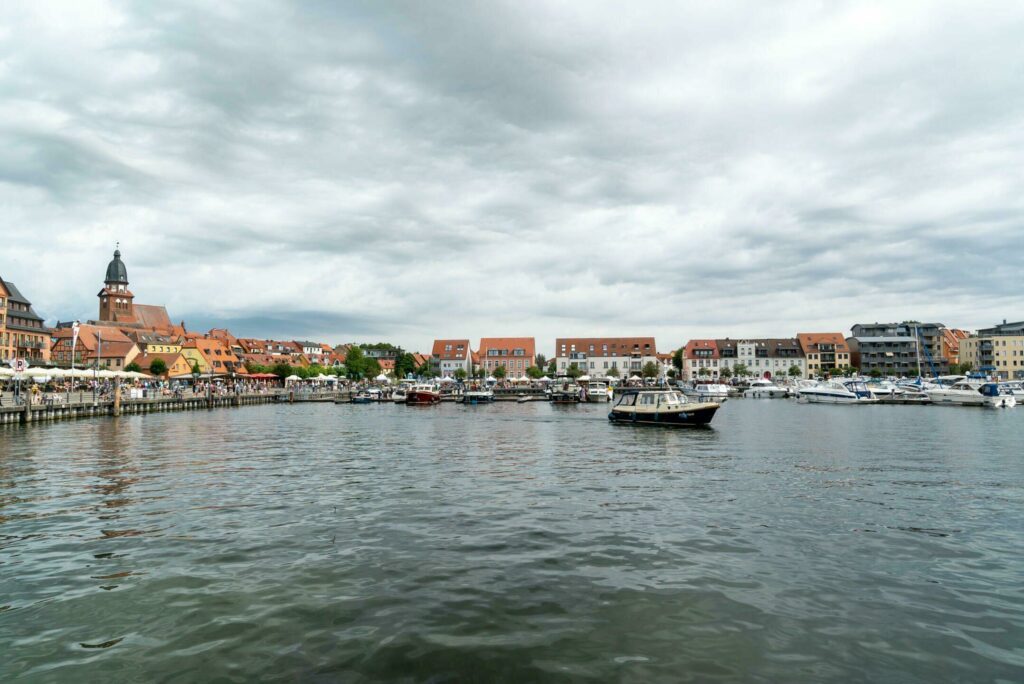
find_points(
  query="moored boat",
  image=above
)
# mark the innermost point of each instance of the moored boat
(597, 391)
(639, 406)
(971, 393)
(422, 394)
(765, 389)
(366, 396)
(477, 395)
(564, 390)
(707, 391)
(838, 392)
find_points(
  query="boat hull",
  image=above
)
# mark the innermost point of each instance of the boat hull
(474, 399)
(687, 416)
(420, 398)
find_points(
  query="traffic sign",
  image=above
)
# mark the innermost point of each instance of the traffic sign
(19, 365)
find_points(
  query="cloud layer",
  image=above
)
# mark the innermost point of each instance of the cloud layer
(411, 170)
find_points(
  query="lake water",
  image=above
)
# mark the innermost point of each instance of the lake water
(788, 543)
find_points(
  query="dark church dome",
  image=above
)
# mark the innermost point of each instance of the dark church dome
(116, 272)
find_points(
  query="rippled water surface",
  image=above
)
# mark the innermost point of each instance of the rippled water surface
(789, 543)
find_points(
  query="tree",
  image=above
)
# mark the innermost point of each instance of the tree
(677, 359)
(460, 374)
(553, 366)
(704, 370)
(500, 372)
(157, 367)
(479, 373)
(650, 370)
(875, 373)
(574, 370)
(794, 371)
(540, 361)
(426, 370)
(534, 372)
(281, 370)
(196, 370)
(355, 362)
(725, 373)
(740, 370)
(133, 368)
(672, 373)
(371, 367)
(405, 363)
(613, 372)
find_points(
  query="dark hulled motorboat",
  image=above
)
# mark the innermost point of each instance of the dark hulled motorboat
(660, 407)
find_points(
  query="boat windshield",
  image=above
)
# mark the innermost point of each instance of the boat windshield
(627, 399)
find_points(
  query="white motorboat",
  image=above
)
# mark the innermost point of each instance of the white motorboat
(1015, 388)
(838, 392)
(972, 393)
(398, 396)
(707, 391)
(765, 389)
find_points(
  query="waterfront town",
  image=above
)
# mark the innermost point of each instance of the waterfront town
(129, 336)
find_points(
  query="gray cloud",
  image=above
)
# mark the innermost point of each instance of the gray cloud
(410, 170)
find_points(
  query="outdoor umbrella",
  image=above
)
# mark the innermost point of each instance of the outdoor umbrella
(292, 378)
(545, 379)
(381, 378)
(6, 372)
(583, 378)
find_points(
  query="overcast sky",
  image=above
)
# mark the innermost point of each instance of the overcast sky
(404, 171)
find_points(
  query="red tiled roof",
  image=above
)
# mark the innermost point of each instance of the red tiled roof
(809, 341)
(694, 345)
(508, 343)
(439, 352)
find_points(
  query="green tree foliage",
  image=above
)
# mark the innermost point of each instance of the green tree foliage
(133, 368)
(875, 373)
(500, 372)
(650, 370)
(196, 370)
(540, 361)
(405, 363)
(281, 370)
(794, 371)
(355, 363)
(574, 370)
(725, 374)
(672, 373)
(371, 367)
(677, 359)
(613, 372)
(460, 374)
(552, 366)
(157, 367)
(534, 372)
(740, 370)
(704, 371)
(426, 370)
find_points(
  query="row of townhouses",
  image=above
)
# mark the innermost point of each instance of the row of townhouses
(127, 332)
(888, 349)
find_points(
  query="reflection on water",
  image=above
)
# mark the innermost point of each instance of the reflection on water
(514, 543)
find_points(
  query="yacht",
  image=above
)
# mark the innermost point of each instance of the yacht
(422, 394)
(765, 389)
(564, 390)
(972, 393)
(597, 391)
(638, 406)
(477, 395)
(366, 396)
(837, 392)
(398, 396)
(1014, 387)
(707, 390)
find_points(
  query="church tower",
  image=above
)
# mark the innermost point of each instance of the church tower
(115, 297)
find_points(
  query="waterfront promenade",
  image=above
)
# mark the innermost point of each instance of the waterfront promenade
(84, 405)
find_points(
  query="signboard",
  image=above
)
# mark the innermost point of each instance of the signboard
(19, 365)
